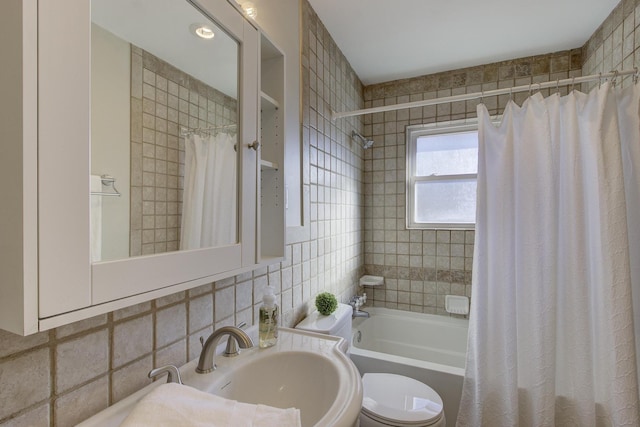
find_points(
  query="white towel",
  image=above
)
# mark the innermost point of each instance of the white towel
(174, 404)
(96, 218)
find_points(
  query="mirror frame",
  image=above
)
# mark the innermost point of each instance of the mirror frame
(68, 281)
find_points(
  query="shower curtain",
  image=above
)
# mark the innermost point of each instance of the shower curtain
(551, 334)
(209, 198)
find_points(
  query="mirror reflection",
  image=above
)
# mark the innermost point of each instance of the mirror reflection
(164, 117)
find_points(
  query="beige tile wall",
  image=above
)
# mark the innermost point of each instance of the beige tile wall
(332, 171)
(63, 376)
(615, 45)
(77, 370)
(422, 266)
(164, 99)
(392, 251)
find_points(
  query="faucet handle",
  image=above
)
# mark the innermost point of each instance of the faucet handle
(173, 374)
(232, 346)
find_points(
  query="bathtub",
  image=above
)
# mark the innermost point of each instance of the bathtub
(426, 347)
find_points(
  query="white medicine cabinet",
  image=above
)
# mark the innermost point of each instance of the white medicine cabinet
(60, 262)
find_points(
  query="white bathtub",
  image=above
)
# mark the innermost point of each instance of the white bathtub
(429, 348)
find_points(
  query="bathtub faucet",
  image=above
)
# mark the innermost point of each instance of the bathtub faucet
(356, 302)
(360, 313)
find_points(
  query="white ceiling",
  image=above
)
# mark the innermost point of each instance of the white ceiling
(386, 40)
(162, 28)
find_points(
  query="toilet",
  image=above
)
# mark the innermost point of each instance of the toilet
(388, 399)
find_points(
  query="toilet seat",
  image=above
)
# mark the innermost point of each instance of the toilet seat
(400, 401)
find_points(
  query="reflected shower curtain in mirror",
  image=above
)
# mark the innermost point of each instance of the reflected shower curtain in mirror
(209, 198)
(551, 334)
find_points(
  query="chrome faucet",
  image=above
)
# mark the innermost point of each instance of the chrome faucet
(206, 363)
(356, 302)
(359, 313)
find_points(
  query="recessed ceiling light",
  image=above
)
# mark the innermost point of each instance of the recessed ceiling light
(202, 30)
(250, 9)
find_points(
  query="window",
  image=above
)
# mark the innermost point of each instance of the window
(442, 171)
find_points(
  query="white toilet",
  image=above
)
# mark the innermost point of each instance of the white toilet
(389, 399)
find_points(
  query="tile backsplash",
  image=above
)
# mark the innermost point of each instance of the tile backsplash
(76, 370)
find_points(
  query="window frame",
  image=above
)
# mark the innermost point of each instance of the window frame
(412, 134)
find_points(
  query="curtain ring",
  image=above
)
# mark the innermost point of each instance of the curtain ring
(614, 80)
(510, 94)
(558, 86)
(635, 75)
(530, 88)
(482, 97)
(573, 80)
(599, 80)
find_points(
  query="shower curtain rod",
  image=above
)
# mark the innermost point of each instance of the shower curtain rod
(476, 95)
(188, 131)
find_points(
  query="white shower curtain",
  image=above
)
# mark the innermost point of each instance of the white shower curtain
(209, 198)
(551, 334)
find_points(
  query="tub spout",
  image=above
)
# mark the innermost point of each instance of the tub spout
(359, 313)
(356, 302)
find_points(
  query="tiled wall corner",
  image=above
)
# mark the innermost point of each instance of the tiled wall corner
(615, 45)
(422, 266)
(333, 164)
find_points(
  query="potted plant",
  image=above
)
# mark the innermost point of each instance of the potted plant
(326, 303)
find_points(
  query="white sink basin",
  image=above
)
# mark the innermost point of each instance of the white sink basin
(299, 379)
(304, 370)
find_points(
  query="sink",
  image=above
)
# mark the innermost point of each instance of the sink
(304, 370)
(303, 380)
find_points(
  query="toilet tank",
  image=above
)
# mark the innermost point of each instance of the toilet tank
(337, 323)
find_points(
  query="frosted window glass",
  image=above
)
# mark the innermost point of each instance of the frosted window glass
(447, 154)
(448, 201)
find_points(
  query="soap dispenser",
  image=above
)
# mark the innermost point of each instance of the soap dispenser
(268, 327)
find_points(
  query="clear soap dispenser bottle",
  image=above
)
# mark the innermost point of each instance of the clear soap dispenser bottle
(268, 327)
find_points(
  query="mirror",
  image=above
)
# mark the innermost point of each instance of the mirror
(164, 126)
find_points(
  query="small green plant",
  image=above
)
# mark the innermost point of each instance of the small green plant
(326, 303)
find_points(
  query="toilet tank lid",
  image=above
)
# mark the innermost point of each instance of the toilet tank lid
(331, 324)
